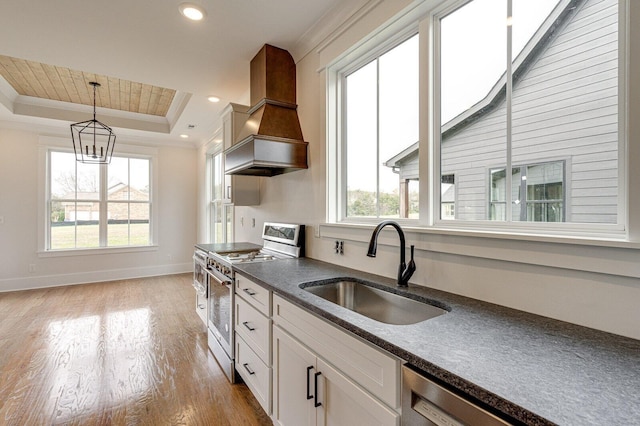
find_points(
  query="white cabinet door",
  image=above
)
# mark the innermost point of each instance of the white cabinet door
(345, 403)
(293, 381)
(308, 391)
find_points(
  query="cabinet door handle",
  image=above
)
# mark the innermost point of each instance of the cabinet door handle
(249, 291)
(246, 324)
(315, 390)
(229, 192)
(309, 396)
(246, 367)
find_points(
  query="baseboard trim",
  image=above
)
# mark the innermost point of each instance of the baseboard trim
(44, 281)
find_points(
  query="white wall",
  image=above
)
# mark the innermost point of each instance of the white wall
(556, 286)
(19, 186)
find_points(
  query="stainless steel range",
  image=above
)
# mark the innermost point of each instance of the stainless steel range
(280, 241)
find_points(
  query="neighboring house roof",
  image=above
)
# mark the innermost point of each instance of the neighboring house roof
(527, 57)
(396, 160)
(93, 195)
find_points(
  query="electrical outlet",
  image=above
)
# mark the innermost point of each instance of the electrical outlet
(339, 247)
(253, 222)
(32, 267)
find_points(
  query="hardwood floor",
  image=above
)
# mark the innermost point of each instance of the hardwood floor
(130, 352)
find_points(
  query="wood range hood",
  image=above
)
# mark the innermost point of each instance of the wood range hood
(271, 142)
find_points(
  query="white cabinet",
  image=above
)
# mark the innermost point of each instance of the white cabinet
(252, 326)
(373, 369)
(238, 190)
(308, 391)
(304, 370)
(293, 381)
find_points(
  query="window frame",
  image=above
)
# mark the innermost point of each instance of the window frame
(424, 19)
(54, 144)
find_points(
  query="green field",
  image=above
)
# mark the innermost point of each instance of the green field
(64, 237)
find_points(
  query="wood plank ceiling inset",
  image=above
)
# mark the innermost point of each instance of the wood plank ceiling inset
(39, 80)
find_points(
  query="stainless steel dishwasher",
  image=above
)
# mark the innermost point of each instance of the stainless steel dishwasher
(426, 403)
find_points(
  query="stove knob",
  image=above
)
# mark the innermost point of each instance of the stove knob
(226, 270)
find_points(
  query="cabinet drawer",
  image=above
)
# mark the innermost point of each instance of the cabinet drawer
(254, 328)
(256, 374)
(253, 293)
(371, 368)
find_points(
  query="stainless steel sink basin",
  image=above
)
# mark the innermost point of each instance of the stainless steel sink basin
(377, 304)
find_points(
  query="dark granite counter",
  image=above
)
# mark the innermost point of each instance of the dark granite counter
(534, 369)
(228, 247)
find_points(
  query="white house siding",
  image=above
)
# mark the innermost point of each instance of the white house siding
(565, 107)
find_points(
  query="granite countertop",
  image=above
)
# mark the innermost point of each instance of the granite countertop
(534, 369)
(228, 247)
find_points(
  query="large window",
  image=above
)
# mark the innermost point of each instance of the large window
(381, 128)
(521, 82)
(91, 205)
(520, 106)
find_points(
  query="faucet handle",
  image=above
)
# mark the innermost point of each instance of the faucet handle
(411, 268)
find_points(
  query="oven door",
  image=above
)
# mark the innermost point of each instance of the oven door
(221, 310)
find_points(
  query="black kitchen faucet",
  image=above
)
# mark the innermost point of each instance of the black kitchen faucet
(404, 271)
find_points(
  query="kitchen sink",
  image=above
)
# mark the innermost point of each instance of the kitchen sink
(373, 302)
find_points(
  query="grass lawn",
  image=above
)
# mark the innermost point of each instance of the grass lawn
(64, 237)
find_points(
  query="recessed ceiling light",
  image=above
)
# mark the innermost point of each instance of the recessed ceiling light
(184, 136)
(213, 99)
(192, 11)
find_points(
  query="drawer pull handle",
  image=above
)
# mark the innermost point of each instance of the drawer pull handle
(246, 367)
(309, 396)
(249, 291)
(202, 306)
(315, 389)
(246, 324)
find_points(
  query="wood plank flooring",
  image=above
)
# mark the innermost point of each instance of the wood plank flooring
(129, 352)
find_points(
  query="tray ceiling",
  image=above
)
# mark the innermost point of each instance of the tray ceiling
(45, 81)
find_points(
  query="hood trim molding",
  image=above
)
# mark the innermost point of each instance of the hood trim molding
(259, 155)
(270, 142)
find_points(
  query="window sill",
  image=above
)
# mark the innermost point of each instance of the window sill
(605, 256)
(96, 251)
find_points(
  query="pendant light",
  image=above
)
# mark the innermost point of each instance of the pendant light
(93, 141)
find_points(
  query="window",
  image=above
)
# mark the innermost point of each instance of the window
(220, 208)
(81, 196)
(554, 94)
(381, 104)
(534, 88)
(448, 197)
(537, 191)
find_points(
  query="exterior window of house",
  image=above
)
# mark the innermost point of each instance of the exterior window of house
(537, 192)
(553, 94)
(91, 206)
(447, 197)
(381, 112)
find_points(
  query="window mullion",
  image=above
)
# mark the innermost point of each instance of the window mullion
(509, 88)
(378, 137)
(104, 211)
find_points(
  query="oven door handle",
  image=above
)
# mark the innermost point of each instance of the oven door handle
(217, 281)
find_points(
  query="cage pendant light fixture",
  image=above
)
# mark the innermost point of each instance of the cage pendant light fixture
(93, 141)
